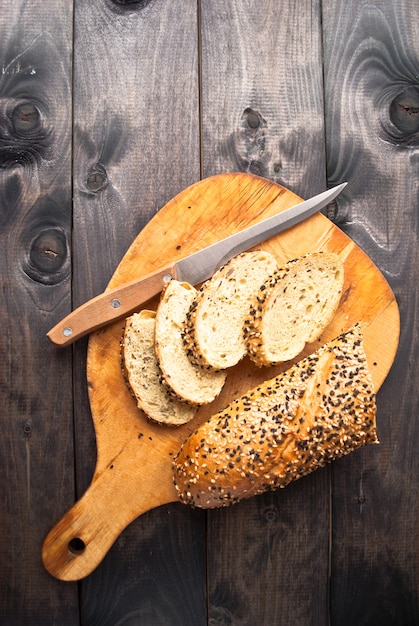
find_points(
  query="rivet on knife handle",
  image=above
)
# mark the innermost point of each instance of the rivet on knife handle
(109, 306)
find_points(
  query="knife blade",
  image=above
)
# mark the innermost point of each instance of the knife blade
(194, 269)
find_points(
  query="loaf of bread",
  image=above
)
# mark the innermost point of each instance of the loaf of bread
(187, 380)
(320, 409)
(214, 328)
(143, 375)
(293, 307)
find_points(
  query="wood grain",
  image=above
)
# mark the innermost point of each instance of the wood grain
(268, 121)
(136, 144)
(371, 60)
(134, 466)
(164, 93)
(36, 428)
(262, 113)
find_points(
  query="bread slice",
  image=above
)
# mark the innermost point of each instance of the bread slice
(190, 382)
(293, 307)
(214, 327)
(143, 374)
(318, 410)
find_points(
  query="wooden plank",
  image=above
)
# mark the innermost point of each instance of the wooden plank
(136, 142)
(36, 440)
(372, 103)
(262, 101)
(267, 557)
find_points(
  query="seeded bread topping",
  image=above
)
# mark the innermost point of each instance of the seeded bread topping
(213, 334)
(143, 376)
(186, 380)
(320, 409)
(293, 307)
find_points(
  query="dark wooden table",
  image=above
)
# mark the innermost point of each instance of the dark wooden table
(107, 110)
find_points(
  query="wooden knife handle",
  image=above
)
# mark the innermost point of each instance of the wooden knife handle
(110, 306)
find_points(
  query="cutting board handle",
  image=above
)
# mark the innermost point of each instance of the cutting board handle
(80, 540)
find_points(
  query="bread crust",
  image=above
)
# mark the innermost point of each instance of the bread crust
(142, 373)
(213, 333)
(293, 307)
(320, 409)
(186, 380)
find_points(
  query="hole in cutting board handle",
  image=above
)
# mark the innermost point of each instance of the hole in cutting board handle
(76, 546)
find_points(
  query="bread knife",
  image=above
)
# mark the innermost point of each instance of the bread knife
(194, 269)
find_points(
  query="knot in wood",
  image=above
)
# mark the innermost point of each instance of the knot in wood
(271, 514)
(404, 111)
(27, 429)
(96, 178)
(24, 133)
(132, 4)
(26, 118)
(253, 118)
(47, 256)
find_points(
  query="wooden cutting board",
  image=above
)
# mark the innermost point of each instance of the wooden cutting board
(134, 457)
